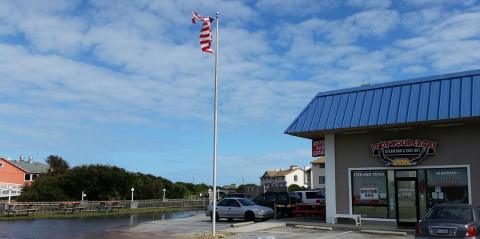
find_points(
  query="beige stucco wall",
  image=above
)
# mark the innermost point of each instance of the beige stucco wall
(457, 145)
(317, 171)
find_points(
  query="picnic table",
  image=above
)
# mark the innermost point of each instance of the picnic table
(310, 210)
(71, 207)
(15, 208)
(109, 206)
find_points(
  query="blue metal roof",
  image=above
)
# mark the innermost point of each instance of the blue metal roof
(444, 97)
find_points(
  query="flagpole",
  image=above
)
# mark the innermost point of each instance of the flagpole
(215, 119)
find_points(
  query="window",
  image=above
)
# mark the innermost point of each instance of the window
(224, 203)
(1, 164)
(282, 197)
(369, 193)
(452, 213)
(322, 165)
(28, 177)
(321, 179)
(233, 203)
(246, 202)
(35, 176)
(295, 178)
(270, 197)
(312, 195)
(447, 185)
(300, 195)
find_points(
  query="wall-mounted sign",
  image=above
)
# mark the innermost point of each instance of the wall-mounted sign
(318, 148)
(403, 152)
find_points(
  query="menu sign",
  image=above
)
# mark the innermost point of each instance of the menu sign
(403, 152)
(318, 148)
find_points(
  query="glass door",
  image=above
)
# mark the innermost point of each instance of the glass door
(407, 201)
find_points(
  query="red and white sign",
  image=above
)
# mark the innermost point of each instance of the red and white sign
(318, 147)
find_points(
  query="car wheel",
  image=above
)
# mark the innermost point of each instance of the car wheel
(249, 216)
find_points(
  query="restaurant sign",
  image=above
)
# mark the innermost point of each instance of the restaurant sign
(318, 148)
(403, 152)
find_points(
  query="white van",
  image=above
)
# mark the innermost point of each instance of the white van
(312, 197)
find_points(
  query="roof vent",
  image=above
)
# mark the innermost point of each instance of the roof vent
(22, 158)
(366, 84)
(30, 159)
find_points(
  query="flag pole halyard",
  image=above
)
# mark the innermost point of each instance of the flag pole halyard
(215, 119)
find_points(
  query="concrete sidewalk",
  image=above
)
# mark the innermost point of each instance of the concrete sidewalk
(259, 226)
(345, 227)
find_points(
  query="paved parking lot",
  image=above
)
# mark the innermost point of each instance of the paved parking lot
(198, 224)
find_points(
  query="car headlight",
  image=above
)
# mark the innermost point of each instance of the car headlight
(261, 211)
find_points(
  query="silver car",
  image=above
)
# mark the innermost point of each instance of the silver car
(239, 208)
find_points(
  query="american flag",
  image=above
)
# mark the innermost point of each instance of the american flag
(205, 33)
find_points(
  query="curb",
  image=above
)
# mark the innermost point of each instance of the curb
(393, 233)
(241, 224)
(312, 227)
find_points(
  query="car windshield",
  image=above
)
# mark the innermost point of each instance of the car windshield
(294, 195)
(246, 202)
(451, 213)
(310, 195)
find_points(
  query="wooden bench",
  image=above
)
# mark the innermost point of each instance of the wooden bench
(356, 217)
(71, 207)
(17, 208)
(110, 206)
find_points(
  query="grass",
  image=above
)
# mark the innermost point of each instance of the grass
(126, 211)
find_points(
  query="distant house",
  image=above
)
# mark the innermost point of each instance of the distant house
(317, 174)
(281, 179)
(14, 174)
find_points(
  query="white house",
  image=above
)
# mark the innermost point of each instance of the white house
(280, 179)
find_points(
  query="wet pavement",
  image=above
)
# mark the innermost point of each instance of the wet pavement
(195, 225)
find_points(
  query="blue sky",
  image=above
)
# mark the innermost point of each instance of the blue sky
(125, 83)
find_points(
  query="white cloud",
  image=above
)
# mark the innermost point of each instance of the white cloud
(364, 24)
(439, 2)
(369, 4)
(447, 44)
(415, 69)
(295, 8)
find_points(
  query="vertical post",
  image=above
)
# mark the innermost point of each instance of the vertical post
(9, 194)
(215, 117)
(83, 194)
(132, 189)
(330, 190)
(164, 195)
(274, 209)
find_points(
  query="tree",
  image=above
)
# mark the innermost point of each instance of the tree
(102, 182)
(57, 165)
(295, 187)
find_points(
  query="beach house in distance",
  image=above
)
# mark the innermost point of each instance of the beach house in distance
(396, 149)
(280, 179)
(15, 174)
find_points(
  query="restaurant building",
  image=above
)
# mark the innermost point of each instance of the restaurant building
(394, 150)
